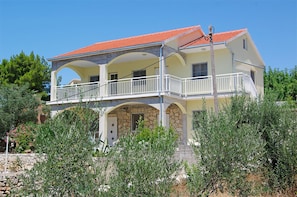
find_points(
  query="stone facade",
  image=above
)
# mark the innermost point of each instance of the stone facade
(175, 120)
(124, 116)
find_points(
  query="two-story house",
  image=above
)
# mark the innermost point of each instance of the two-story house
(163, 77)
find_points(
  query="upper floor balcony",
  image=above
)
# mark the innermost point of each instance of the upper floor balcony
(147, 86)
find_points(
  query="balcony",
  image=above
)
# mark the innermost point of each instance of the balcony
(184, 88)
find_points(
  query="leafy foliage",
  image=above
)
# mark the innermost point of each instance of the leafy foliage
(66, 167)
(25, 69)
(143, 163)
(229, 150)
(17, 106)
(24, 137)
(244, 137)
(279, 130)
(283, 83)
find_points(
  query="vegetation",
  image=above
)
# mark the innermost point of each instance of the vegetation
(246, 137)
(24, 136)
(140, 164)
(66, 167)
(143, 163)
(17, 106)
(229, 150)
(283, 83)
(21, 69)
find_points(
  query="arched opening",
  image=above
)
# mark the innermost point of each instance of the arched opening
(175, 116)
(126, 117)
(75, 72)
(84, 116)
(67, 76)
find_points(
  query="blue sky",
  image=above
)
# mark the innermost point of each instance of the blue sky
(53, 27)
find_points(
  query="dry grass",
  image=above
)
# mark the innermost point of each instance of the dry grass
(180, 190)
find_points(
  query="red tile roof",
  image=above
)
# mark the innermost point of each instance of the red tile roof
(153, 38)
(218, 37)
(131, 41)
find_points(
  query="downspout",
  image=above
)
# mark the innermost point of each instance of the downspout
(161, 84)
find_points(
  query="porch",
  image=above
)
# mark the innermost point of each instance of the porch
(145, 86)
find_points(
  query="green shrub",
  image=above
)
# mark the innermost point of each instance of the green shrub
(230, 149)
(66, 166)
(24, 137)
(143, 163)
(245, 137)
(279, 130)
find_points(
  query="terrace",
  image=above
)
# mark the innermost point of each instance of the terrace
(184, 88)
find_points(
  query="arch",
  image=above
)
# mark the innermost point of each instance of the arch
(179, 57)
(77, 67)
(108, 110)
(132, 55)
(180, 106)
(72, 108)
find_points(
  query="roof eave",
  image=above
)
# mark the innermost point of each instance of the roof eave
(104, 51)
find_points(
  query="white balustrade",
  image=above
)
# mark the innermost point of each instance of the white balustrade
(183, 87)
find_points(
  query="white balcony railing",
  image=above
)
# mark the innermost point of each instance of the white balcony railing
(78, 91)
(149, 85)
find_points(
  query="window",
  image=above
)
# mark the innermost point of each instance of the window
(199, 69)
(94, 78)
(244, 44)
(197, 118)
(253, 75)
(135, 121)
(140, 74)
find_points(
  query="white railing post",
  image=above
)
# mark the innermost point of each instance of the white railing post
(76, 91)
(167, 84)
(131, 85)
(185, 87)
(211, 86)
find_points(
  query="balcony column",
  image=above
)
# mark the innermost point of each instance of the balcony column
(103, 125)
(103, 79)
(53, 85)
(185, 133)
(162, 110)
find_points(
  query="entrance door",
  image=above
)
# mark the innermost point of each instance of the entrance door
(112, 130)
(113, 83)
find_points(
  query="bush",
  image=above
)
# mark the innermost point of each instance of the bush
(229, 150)
(24, 137)
(245, 137)
(143, 163)
(66, 166)
(279, 130)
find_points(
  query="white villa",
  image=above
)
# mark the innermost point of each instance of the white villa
(163, 77)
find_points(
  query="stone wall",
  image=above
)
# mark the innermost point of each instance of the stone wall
(125, 112)
(9, 182)
(175, 120)
(124, 115)
(16, 165)
(17, 162)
